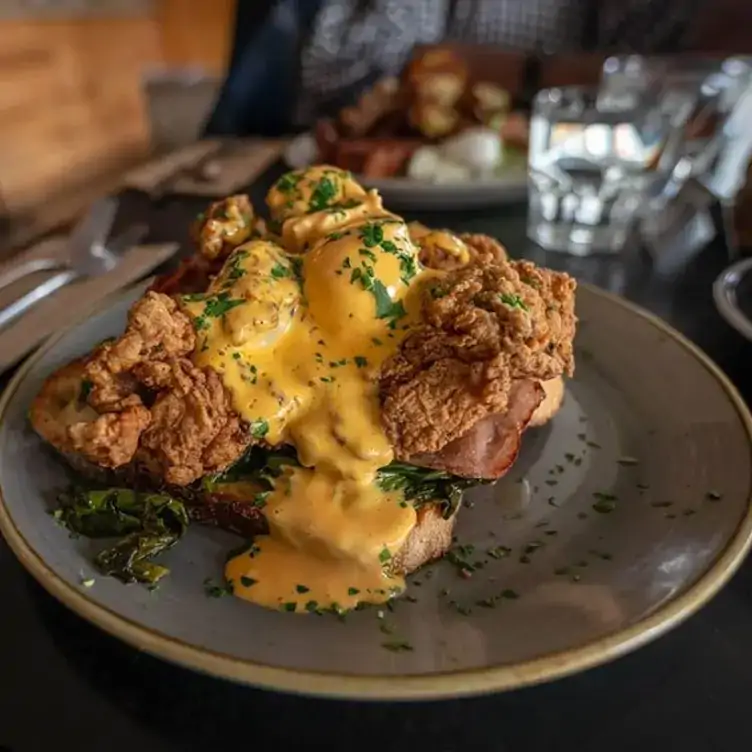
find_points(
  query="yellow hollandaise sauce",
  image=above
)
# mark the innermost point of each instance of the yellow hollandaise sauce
(330, 545)
(297, 340)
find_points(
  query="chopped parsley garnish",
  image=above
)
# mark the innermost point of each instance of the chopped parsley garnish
(280, 271)
(220, 304)
(397, 646)
(360, 361)
(323, 195)
(372, 234)
(312, 607)
(347, 264)
(259, 429)
(235, 271)
(259, 500)
(368, 254)
(604, 503)
(288, 183)
(215, 306)
(86, 387)
(385, 555)
(437, 292)
(336, 235)
(288, 606)
(386, 308)
(194, 297)
(214, 590)
(499, 552)
(352, 591)
(302, 588)
(236, 356)
(296, 262)
(408, 268)
(247, 581)
(513, 301)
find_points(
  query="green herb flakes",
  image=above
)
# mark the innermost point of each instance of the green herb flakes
(323, 194)
(397, 646)
(259, 429)
(279, 271)
(217, 590)
(513, 301)
(372, 234)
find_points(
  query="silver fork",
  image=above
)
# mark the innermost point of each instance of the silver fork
(89, 256)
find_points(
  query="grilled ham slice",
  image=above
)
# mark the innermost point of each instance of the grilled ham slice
(491, 446)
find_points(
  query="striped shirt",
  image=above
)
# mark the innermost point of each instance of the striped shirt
(346, 47)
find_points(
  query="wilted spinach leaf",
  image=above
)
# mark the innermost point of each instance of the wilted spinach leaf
(145, 523)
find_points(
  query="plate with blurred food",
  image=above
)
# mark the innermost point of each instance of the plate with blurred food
(337, 453)
(439, 136)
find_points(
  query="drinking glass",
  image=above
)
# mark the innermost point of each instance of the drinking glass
(593, 157)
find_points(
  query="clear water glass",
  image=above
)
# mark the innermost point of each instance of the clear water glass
(592, 160)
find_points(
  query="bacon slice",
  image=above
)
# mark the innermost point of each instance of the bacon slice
(491, 446)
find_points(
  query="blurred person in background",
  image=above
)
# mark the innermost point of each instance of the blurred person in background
(296, 60)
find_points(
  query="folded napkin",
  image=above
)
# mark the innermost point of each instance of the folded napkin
(211, 168)
(71, 303)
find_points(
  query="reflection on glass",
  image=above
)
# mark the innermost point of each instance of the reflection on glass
(592, 155)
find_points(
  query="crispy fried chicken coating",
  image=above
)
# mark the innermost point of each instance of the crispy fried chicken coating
(189, 428)
(193, 429)
(224, 226)
(112, 439)
(157, 329)
(483, 248)
(484, 328)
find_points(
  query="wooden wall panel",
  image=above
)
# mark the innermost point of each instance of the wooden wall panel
(71, 107)
(196, 32)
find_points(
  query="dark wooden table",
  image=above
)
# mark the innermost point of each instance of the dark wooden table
(63, 683)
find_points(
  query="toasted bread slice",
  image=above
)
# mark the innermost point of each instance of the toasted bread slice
(553, 397)
(231, 509)
(60, 403)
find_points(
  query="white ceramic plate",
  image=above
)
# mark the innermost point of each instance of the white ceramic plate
(403, 193)
(621, 518)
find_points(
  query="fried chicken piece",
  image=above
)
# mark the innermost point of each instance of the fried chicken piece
(112, 439)
(225, 225)
(431, 394)
(514, 308)
(483, 248)
(485, 327)
(156, 329)
(193, 429)
(443, 249)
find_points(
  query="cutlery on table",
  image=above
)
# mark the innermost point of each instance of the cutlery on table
(90, 255)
